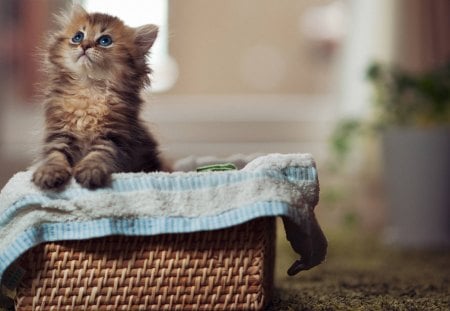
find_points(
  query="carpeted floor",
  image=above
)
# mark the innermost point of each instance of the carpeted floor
(362, 274)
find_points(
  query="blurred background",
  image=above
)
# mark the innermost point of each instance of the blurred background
(253, 76)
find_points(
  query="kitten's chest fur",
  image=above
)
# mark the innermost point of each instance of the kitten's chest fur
(84, 111)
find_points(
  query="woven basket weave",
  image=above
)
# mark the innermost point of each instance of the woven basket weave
(228, 269)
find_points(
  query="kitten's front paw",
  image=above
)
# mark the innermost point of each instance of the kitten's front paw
(92, 175)
(51, 176)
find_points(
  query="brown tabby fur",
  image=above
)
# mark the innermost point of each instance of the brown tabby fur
(92, 103)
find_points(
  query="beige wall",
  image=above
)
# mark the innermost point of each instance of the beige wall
(251, 46)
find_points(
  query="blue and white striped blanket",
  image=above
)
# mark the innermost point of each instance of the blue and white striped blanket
(156, 203)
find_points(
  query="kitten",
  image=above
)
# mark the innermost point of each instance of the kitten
(96, 68)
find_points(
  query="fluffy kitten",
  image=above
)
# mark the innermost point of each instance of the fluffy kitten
(96, 68)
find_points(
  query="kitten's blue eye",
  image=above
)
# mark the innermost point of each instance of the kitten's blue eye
(79, 36)
(105, 40)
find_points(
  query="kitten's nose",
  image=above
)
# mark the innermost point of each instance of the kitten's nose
(86, 45)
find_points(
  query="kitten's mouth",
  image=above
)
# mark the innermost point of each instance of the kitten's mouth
(84, 58)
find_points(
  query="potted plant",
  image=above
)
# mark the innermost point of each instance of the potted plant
(412, 114)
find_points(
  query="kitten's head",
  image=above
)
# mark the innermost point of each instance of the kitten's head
(101, 46)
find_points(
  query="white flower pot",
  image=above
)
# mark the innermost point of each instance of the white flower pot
(417, 176)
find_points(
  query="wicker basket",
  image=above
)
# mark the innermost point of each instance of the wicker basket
(228, 269)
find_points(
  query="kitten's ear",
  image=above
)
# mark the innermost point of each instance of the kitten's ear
(145, 36)
(78, 10)
(64, 18)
